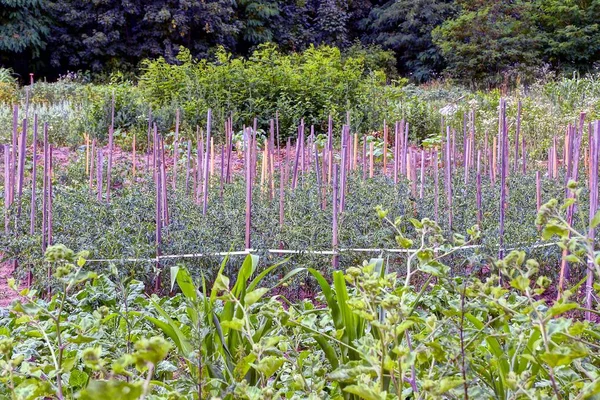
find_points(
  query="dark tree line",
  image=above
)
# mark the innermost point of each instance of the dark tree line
(465, 39)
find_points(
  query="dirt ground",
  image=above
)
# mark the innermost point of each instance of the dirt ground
(6, 294)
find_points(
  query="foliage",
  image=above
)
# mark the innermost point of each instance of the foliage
(405, 27)
(112, 35)
(372, 333)
(309, 86)
(23, 28)
(489, 39)
(570, 32)
(8, 86)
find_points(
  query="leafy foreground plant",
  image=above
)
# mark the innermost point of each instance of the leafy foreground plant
(370, 334)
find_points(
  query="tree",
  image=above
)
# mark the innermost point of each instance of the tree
(489, 40)
(23, 30)
(256, 18)
(405, 26)
(332, 23)
(119, 33)
(570, 32)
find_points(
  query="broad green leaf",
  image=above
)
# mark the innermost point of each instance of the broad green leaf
(254, 296)
(563, 356)
(186, 284)
(31, 389)
(561, 308)
(446, 384)
(552, 229)
(269, 365)
(235, 324)
(365, 392)
(81, 339)
(435, 268)
(243, 366)
(247, 269)
(78, 378)
(113, 389)
(520, 283)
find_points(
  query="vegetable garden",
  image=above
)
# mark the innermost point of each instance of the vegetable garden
(196, 255)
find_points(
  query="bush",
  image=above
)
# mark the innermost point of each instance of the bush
(308, 85)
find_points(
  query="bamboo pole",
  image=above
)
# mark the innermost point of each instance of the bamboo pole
(199, 164)
(45, 192)
(188, 163)
(176, 149)
(343, 167)
(448, 171)
(271, 159)
(248, 164)
(465, 143)
(554, 159)
(538, 191)
(422, 191)
(334, 224)
(133, 159)
(148, 134)
(317, 172)
(436, 197)
(524, 155)
(159, 212)
(385, 144)
(163, 177)
(594, 146)
(355, 158)
(87, 153)
(396, 145)
(50, 194)
(222, 177)
(478, 202)
(517, 132)
(13, 161)
(364, 158)
(99, 170)
(371, 156)
(6, 149)
(405, 148)
(494, 159)
(34, 177)
(110, 149)
(92, 162)
(503, 174)
(572, 174)
(207, 158)
(281, 195)
(212, 156)
(21, 166)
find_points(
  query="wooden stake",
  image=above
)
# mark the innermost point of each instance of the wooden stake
(436, 197)
(110, 149)
(207, 158)
(538, 191)
(371, 159)
(92, 161)
(385, 143)
(99, 170)
(334, 224)
(176, 150)
(34, 177)
(87, 153)
(594, 146)
(478, 202)
(422, 191)
(133, 158)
